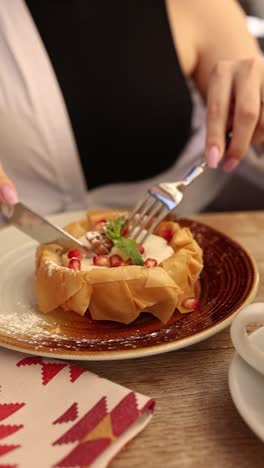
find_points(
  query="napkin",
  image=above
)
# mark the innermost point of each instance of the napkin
(56, 414)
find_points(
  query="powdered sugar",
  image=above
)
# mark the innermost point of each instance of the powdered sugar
(25, 323)
(22, 320)
(51, 266)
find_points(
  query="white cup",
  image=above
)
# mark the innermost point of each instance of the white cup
(245, 347)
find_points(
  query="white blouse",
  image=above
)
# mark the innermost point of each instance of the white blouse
(37, 146)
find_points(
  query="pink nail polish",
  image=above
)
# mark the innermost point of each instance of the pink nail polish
(8, 194)
(213, 157)
(230, 164)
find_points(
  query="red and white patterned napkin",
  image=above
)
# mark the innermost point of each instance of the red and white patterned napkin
(55, 414)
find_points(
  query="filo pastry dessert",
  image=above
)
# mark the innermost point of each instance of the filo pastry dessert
(123, 278)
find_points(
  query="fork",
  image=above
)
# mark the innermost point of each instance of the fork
(158, 202)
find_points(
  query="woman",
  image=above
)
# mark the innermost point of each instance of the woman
(95, 95)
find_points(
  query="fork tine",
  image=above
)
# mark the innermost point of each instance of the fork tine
(161, 200)
(141, 210)
(156, 210)
(161, 216)
(137, 208)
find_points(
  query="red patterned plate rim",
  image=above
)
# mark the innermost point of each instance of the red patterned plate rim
(229, 282)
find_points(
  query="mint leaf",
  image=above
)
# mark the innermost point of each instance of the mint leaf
(114, 228)
(129, 247)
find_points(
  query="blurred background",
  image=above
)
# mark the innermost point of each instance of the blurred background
(254, 8)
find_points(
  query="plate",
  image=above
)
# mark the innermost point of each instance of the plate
(247, 388)
(228, 282)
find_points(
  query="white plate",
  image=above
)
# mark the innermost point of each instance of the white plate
(69, 336)
(247, 388)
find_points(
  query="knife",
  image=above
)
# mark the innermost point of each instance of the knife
(39, 228)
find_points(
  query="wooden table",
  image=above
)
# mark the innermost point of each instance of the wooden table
(195, 424)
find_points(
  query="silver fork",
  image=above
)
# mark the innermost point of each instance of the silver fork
(158, 202)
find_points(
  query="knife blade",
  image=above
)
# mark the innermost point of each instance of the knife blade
(39, 228)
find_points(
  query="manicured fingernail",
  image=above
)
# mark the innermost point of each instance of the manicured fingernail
(213, 157)
(230, 164)
(8, 194)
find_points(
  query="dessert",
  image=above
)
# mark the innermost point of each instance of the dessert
(123, 278)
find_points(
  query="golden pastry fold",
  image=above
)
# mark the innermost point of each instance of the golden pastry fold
(120, 293)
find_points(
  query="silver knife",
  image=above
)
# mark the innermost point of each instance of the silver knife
(39, 228)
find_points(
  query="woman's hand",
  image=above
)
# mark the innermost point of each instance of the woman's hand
(218, 52)
(8, 192)
(235, 100)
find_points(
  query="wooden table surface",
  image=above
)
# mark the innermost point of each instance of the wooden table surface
(195, 424)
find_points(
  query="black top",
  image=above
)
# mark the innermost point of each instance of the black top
(127, 99)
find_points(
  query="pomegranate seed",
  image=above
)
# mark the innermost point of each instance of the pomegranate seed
(116, 260)
(101, 260)
(192, 303)
(150, 262)
(125, 231)
(140, 248)
(75, 253)
(166, 234)
(75, 264)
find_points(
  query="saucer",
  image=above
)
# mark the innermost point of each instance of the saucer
(247, 388)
